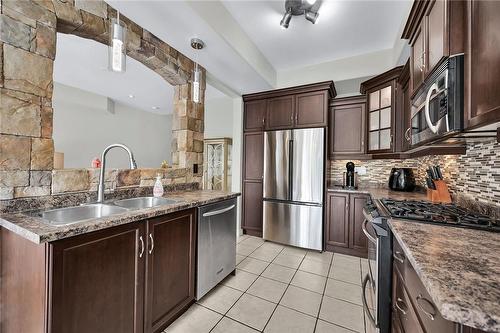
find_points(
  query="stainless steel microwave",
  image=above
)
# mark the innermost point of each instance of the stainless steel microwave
(437, 108)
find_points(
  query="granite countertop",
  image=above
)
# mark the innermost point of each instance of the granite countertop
(36, 230)
(460, 268)
(379, 193)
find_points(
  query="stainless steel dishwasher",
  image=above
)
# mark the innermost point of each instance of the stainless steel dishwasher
(216, 244)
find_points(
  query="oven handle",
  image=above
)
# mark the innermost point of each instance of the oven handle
(367, 234)
(431, 126)
(365, 303)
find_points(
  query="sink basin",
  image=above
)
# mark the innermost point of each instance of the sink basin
(143, 202)
(65, 216)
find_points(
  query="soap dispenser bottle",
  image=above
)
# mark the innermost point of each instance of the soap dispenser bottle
(158, 188)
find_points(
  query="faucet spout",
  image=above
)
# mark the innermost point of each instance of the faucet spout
(133, 165)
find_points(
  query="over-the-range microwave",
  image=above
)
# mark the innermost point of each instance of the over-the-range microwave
(438, 107)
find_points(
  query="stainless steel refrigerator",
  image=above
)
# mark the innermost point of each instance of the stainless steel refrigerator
(294, 162)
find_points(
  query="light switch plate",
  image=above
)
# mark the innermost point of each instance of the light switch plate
(361, 170)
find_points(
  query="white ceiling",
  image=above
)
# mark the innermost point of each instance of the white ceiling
(345, 28)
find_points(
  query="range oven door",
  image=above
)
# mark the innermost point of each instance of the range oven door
(370, 281)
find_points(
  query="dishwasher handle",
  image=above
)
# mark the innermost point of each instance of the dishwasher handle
(219, 211)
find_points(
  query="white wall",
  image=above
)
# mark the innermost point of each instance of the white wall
(219, 118)
(83, 127)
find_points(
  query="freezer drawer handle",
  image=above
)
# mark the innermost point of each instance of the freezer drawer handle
(367, 234)
(365, 303)
(219, 211)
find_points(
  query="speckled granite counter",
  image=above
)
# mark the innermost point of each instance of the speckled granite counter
(460, 268)
(379, 193)
(36, 230)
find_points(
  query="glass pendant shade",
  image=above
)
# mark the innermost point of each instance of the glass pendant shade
(117, 47)
(195, 84)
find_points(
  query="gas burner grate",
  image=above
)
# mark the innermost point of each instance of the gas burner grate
(442, 214)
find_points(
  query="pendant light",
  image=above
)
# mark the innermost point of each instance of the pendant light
(117, 46)
(196, 76)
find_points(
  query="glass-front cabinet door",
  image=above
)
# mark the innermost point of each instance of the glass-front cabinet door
(380, 120)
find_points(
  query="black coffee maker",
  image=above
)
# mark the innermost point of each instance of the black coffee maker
(350, 177)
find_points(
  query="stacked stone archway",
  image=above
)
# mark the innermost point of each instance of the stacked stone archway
(28, 31)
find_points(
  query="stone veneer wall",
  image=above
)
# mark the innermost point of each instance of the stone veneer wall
(475, 174)
(27, 51)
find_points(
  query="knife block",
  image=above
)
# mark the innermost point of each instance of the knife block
(441, 194)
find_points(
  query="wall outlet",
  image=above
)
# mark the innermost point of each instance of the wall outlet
(361, 170)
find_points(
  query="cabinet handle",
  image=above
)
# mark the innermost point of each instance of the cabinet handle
(407, 134)
(429, 314)
(399, 300)
(142, 247)
(296, 117)
(392, 139)
(152, 243)
(399, 257)
(263, 121)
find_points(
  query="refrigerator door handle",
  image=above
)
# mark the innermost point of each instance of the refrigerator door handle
(290, 169)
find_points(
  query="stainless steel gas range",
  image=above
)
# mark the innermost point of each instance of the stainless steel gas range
(377, 283)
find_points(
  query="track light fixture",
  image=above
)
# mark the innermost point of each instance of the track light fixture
(308, 8)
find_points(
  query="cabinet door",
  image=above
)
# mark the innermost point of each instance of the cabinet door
(347, 129)
(253, 158)
(380, 118)
(97, 281)
(254, 118)
(280, 113)
(406, 121)
(357, 239)
(311, 109)
(417, 57)
(402, 307)
(170, 251)
(483, 65)
(252, 208)
(337, 226)
(435, 34)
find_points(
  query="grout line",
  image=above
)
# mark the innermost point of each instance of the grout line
(323, 295)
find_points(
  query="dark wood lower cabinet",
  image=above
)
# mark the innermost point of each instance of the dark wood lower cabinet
(97, 282)
(252, 208)
(136, 277)
(170, 269)
(344, 219)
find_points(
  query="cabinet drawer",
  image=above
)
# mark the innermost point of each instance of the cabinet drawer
(427, 311)
(403, 309)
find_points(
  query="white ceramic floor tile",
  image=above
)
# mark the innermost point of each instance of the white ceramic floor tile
(244, 250)
(344, 291)
(346, 275)
(253, 265)
(227, 325)
(342, 313)
(324, 257)
(221, 298)
(294, 251)
(272, 246)
(309, 281)
(241, 281)
(252, 311)
(325, 327)
(288, 260)
(267, 289)
(241, 238)
(196, 319)
(315, 267)
(253, 241)
(301, 300)
(239, 258)
(286, 320)
(279, 273)
(265, 254)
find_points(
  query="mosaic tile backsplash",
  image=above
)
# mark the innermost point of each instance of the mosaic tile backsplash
(475, 174)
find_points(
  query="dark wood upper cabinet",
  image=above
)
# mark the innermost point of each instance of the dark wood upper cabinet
(482, 64)
(170, 272)
(97, 281)
(337, 221)
(357, 239)
(346, 126)
(311, 109)
(254, 115)
(403, 124)
(435, 30)
(280, 112)
(253, 156)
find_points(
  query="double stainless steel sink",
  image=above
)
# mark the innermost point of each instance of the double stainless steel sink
(70, 215)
